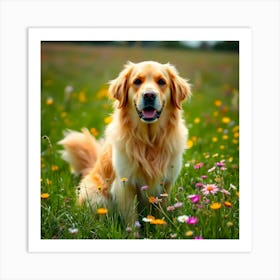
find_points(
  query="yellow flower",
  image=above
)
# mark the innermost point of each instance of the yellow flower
(230, 159)
(236, 128)
(235, 141)
(225, 137)
(45, 195)
(94, 131)
(226, 120)
(48, 182)
(102, 93)
(215, 205)
(218, 103)
(227, 204)
(216, 114)
(189, 144)
(222, 147)
(229, 224)
(123, 179)
(102, 211)
(214, 139)
(189, 233)
(82, 97)
(152, 199)
(196, 120)
(49, 101)
(220, 130)
(158, 222)
(236, 135)
(107, 120)
(54, 167)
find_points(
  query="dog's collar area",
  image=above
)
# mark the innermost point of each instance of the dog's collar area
(148, 114)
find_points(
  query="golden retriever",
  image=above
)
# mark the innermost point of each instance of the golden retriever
(142, 146)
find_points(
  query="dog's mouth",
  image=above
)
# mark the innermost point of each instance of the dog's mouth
(149, 114)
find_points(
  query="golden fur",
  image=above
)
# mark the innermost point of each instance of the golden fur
(143, 145)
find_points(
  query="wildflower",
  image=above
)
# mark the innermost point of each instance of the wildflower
(210, 189)
(94, 131)
(226, 120)
(217, 103)
(82, 97)
(173, 235)
(178, 204)
(198, 237)
(189, 144)
(148, 219)
(144, 188)
(164, 194)
(199, 185)
(215, 205)
(54, 167)
(224, 191)
(203, 176)
(49, 101)
(231, 186)
(214, 139)
(198, 165)
(44, 195)
(107, 120)
(158, 222)
(170, 208)
(183, 218)
(48, 182)
(215, 155)
(137, 224)
(227, 204)
(99, 188)
(236, 135)
(73, 230)
(194, 198)
(102, 211)
(68, 89)
(123, 179)
(222, 147)
(225, 137)
(128, 229)
(220, 164)
(196, 120)
(154, 200)
(229, 224)
(192, 220)
(189, 233)
(211, 169)
(220, 130)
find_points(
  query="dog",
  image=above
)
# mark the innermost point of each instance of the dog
(142, 146)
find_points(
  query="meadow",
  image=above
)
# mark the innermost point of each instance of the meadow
(204, 203)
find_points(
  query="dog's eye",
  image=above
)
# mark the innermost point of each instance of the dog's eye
(161, 82)
(137, 82)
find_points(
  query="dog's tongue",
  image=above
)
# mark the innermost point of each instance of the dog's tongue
(149, 113)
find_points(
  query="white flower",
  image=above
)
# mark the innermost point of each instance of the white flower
(183, 218)
(231, 186)
(211, 169)
(73, 230)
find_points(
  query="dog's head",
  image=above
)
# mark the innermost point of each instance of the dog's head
(149, 87)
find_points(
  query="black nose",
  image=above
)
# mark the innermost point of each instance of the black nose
(149, 96)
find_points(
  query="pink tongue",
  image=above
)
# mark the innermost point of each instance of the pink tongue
(149, 114)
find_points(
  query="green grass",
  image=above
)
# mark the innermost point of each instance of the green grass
(212, 118)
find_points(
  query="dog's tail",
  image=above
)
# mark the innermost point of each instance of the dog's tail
(80, 150)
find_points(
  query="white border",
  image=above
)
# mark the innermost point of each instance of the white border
(243, 35)
(262, 16)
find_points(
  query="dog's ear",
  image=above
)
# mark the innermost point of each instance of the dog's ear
(180, 88)
(118, 88)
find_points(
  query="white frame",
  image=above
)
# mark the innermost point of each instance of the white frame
(262, 262)
(243, 35)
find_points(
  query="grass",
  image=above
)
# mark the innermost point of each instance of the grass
(73, 96)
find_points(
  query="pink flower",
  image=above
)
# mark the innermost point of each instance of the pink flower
(198, 165)
(204, 177)
(194, 198)
(144, 188)
(192, 220)
(170, 208)
(220, 164)
(198, 237)
(178, 204)
(210, 189)
(225, 192)
(199, 185)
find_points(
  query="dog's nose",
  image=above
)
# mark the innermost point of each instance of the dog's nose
(149, 96)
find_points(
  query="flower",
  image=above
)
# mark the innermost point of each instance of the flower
(108, 119)
(183, 218)
(54, 167)
(218, 103)
(170, 208)
(226, 120)
(189, 144)
(226, 192)
(211, 169)
(49, 101)
(44, 195)
(155, 200)
(198, 165)
(220, 164)
(227, 204)
(144, 188)
(137, 224)
(178, 204)
(199, 185)
(73, 230)
(215, 205)
(102, 211)
(148, 219)
(192, 220)
(210, 189)
(194, 198)
(189, 233)
(164, 195)
(214, 139)
(158, 222)
(203, 176)
(196, 120)
(123, 179)
(198, 237)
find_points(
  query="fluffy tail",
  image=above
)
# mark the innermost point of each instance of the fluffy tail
(80, 150)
